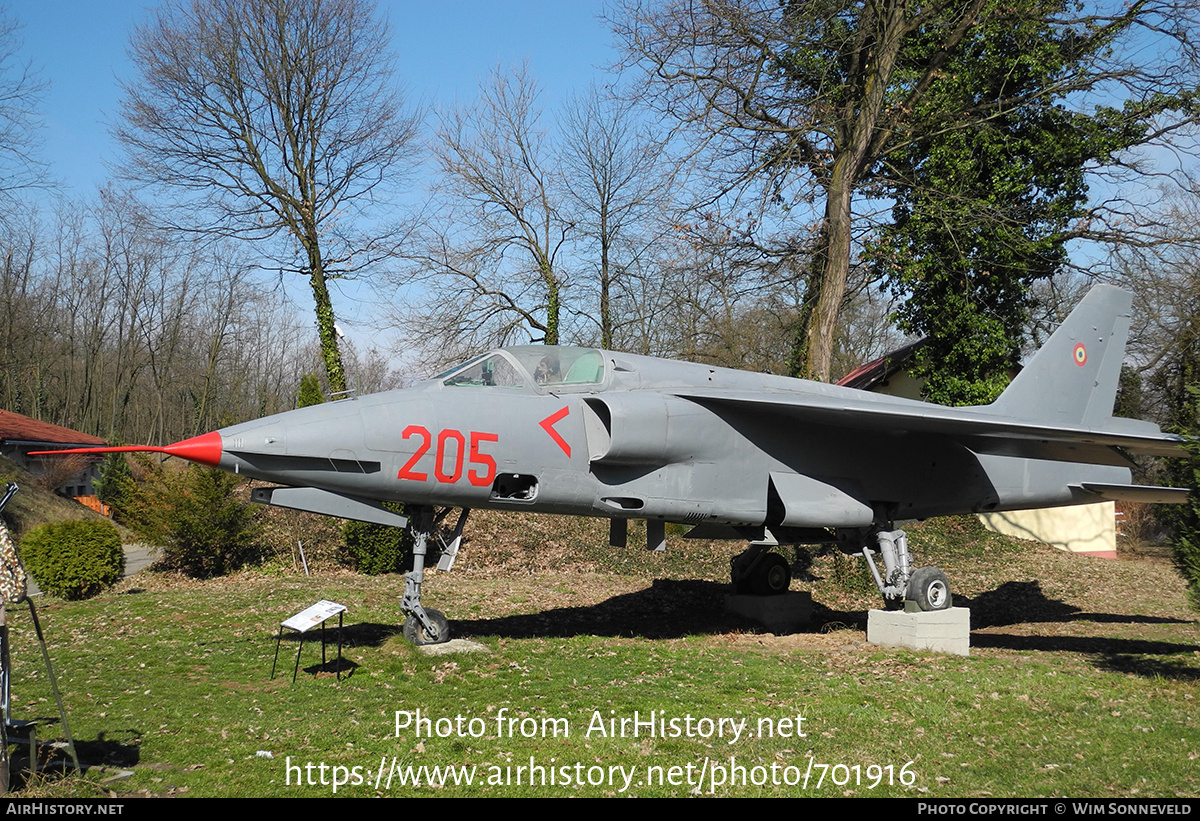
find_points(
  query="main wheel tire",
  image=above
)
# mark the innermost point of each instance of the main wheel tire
(737, 574)
(930, 589)
(772, 577)
(416, 633)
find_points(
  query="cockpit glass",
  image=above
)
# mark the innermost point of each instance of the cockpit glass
(543, 365)
(492, 371)
(561, 365)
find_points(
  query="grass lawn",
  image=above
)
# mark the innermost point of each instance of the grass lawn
(1082, 681)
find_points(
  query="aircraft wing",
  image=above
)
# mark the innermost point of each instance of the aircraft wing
(975, 428)
(1136, 493)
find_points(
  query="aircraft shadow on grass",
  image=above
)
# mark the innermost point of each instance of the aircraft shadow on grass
(1014, 603)
(677, 608)
(667, 609)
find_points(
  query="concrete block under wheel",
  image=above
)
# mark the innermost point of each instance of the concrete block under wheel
(943, 631)
(779, 614)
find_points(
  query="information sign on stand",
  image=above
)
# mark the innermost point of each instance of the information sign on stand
(305, 620)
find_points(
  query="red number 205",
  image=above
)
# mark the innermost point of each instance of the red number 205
(448, 466)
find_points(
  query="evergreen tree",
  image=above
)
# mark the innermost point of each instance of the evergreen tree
(115, 486)
(1185, 546)
(310, 391)
(990, 191)
(208, 530)
(1180, 380)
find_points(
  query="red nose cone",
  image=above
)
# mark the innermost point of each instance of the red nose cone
(204, 449)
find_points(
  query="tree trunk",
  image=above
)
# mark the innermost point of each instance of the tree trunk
(331, 355)
(606, 324)
(831, 272)
(553, 302)
(859, 137)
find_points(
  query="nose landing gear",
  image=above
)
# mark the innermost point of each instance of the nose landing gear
(426, 625)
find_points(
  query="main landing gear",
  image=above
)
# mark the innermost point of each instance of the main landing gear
(426, 625)
(760, 572)
(925, 588)
(756, 570)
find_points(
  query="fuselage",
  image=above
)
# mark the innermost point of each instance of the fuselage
(590, 432)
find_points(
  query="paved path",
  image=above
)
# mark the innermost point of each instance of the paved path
(138, 556)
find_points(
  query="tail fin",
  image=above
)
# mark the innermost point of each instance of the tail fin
(1072, 380)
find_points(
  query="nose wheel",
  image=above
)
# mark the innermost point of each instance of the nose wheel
(418, 634)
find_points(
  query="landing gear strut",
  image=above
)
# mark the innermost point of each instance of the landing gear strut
(926, 588)
(427, 626)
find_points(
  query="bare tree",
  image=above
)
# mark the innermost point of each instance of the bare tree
(538, 225)
(273, 119)
(1165, 281)
(112, 326)
(20, 95)
(498, 230)
(25, 319)
(621, 182)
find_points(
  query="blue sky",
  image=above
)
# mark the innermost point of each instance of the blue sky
(443, 49)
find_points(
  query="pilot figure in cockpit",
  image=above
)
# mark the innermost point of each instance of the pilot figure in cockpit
(548, 370)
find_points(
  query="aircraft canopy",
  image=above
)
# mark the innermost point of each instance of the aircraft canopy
(525, 365)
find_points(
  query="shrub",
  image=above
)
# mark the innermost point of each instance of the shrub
(376, 549)
(60, 471)
(1184, 520)
(73, 560)
(1185, 547)
(207, 530)
(147, 493)
(1187, 560)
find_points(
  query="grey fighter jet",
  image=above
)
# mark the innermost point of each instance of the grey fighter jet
(767, 459)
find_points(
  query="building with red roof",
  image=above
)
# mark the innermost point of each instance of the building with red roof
(20, 434)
